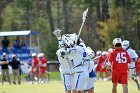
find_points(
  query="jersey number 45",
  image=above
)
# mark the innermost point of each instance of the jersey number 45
(121, 57)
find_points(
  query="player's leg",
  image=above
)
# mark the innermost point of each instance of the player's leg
(3, 76)
(134, 77)
(8, 76)
(31, 77)
(114, 88)
(14, 76)
(125, 88)
(18, 76)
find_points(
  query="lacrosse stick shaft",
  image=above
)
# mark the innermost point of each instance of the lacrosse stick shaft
(81, 28)
(84, 19)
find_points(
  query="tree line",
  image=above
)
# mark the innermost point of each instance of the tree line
(106, 20)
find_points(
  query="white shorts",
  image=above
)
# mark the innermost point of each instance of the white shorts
(81, 80)
(90, 84)
(68, 80)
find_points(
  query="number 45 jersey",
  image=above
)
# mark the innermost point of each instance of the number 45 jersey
(119, 59)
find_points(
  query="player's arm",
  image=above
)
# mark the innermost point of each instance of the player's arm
(134, 56)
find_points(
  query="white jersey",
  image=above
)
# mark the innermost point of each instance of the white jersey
(65, 64)
(78, 54)
(133, 55)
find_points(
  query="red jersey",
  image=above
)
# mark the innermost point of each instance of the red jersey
(34, 62)
(101, 64)
(42, 62)
(137, 64)
(119, 59)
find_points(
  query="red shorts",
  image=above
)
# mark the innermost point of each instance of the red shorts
(121, 78)
(34, 70)
(103, 70)
(100, 69)
(42, 70)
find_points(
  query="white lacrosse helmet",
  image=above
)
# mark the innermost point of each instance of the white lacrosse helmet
(98, 53)
(69, 39)
(125, 44)
(90, 51)
(34, 54)
(74, 37)
(116, 41)
(104, 53)
(110, 50)
(40, 55)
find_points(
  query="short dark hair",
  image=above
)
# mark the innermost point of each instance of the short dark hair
(118, 45)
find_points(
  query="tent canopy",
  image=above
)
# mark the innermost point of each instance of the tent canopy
(18, 33)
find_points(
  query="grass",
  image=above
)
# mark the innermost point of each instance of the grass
(57, 87)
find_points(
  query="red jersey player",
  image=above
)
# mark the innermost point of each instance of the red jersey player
(34, 70)
(119, 59)
(137, 64)
(42, 66)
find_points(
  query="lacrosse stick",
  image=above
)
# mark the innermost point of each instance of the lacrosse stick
(57, 33)
(83, 19)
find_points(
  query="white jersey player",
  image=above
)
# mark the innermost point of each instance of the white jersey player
(77, 53)
(65, 64)
(133, 55)
(65, 69)
(91, 70)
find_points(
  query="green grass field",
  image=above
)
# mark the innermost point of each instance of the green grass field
(57, 87)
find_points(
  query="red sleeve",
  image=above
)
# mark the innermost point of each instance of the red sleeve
(45, 60)
(110, 57)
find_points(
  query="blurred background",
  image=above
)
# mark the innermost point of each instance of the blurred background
(106, 20)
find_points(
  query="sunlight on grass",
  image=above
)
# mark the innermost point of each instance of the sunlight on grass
(57, 87)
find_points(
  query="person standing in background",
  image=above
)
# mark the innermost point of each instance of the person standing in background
(5, 44)
(5, 70)
(15, 63)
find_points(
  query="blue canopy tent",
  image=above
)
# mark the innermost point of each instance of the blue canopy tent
(23, 54)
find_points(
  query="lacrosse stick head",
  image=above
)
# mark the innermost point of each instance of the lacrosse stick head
(57, 33)
(85, 14)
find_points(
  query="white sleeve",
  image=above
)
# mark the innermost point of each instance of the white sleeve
(133, 54)
(58, 53)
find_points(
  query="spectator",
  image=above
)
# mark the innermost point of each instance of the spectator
(17, 43)
(23, 46)
(5, 71)
(15, 63)
(5, 44)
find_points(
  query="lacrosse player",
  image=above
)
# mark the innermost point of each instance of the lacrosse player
(119, 59)
(133, 55)
(42, 67)
(138, 67)
(89, 88)
(65, 64)
(77, 53)
(34, 69)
